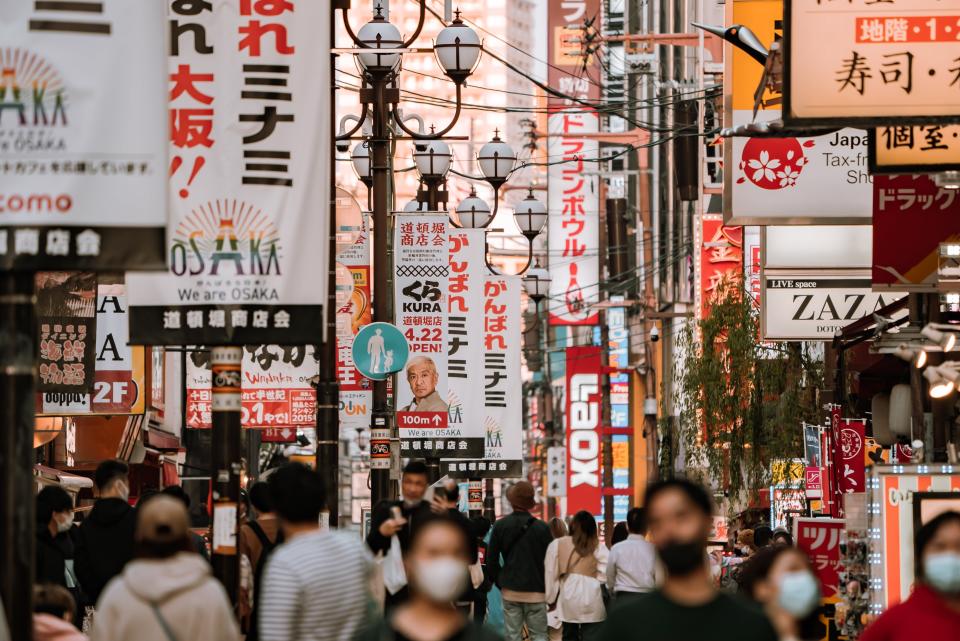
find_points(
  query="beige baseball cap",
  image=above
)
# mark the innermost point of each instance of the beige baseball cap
(162, 519)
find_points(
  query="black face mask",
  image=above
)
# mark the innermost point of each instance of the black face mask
(680, 558)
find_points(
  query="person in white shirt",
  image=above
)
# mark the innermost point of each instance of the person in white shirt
(575, 571)
(632, 565)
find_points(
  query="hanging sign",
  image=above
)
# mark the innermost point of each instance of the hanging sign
(118, 368)
(784, 180)
(82, 136)
(67, 322)
(502, 451)
(582, 416)
(275, 387)
(850, 465)
(379, 350)
(556, 471)
(573, 185)
(865, 62)
(820, 540)
(249, 179)
(720, 264)
(906, 149)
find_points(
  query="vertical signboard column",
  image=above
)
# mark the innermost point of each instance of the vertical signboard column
(583, 396)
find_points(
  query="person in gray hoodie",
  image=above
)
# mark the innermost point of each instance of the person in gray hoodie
(167, 592)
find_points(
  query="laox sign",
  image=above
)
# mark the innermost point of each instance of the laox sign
(583, 436)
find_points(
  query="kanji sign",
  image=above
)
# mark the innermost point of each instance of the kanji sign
(904, 149)
(869, 61)
(720, 261)
(66, 314)
(820, 539)
(850, 465)
(249, 178)
(82, 141)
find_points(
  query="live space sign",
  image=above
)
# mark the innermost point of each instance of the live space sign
(815, 308)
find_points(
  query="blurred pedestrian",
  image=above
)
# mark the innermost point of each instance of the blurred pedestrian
(315, 585)
(258, 537)
(515, 563)
(479, 527)
(576, 574)
(632, 565)
(932, 611)
(54, 545)
(620, 533)
(558, 528)
(782, 537)
(781, 579)
(167, 592)
(53, 613)
(398, 518)
(199, 543)
(436, 564)
(104, 540)
(688, 606)
(745, 543)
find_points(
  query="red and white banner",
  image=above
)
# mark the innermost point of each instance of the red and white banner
(583, 394)
(573, 185)
(353, 312)
(275, 388)
(820, 539)
(850, 465)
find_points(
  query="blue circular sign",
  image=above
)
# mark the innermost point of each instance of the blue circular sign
(379, 350)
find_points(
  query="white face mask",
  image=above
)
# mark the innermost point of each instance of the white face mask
(799, 593)
(442, 579)
(942, 571)
(65, 525)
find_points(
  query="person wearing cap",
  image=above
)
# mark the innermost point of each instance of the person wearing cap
(167, 591)
(515, 563)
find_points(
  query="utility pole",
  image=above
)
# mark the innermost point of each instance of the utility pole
(18, 358)
(225, 365)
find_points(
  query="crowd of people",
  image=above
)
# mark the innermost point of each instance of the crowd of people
(427, 572)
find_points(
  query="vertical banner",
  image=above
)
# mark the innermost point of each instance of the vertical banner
(618, 348)
(249, 186)
(573, 185)
(67, 319)
(82, 135)
(356, 393)
(720, 261)
(851, 463)
(820, 539)
(582, 417)
(118, 375)
(833, 462)
(502, 454)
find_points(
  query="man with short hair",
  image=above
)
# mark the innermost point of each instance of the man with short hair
(258, 537)
(632, 564)
(422, 376)
(105, 538)
(315, 584)
(199, 543)
(54, 545)
(688, 606)
(521, 540)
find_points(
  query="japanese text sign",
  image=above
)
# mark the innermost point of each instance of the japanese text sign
(66, 314)
(869, 61)
(720, 262)
(82, 135)
(356, 393)
(820, 539)
(249, 178)
(905, 149)
(850, 465)
(583, 396)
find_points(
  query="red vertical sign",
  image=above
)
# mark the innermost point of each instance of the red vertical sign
(721, 261)
(820, 539)
(583, 429)
(851, 467)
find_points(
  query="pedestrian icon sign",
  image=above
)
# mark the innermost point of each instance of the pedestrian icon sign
(380, 349)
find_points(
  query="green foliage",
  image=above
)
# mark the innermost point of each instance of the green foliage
(741, 402)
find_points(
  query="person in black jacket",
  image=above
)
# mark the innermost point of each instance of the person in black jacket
(54, 546)
(384, 522)
(198, 542)
(104, 541)
(521, 540)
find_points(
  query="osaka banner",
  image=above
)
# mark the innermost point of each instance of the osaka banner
(502, 455)
(82, 136)
(353, 312)
(249, 178)
(582, 417)
(118, 368)
(573, 185)
(66, 315)
(275, 387)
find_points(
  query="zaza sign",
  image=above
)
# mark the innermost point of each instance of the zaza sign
(583, 433)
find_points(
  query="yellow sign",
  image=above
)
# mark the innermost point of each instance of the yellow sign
(765, 19)
(907, 149)
(787, 472)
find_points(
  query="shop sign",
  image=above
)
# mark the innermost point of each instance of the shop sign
(720, 264)
(784, 180)
(275, 387)
(800, 307)
(556, 471)
(813, 482)
(67, 326)
(864, 62)
(354, 310)
(249, 179)
(118, 368)
(582, 416)
(817, 247)
(573, 185)
(850, 460)
(82, 141)
(503, 401)
(820, 540)
(907, 149)
(912, 216)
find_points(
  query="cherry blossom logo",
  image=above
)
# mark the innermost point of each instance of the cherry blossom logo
(850, 443)
(773, 163)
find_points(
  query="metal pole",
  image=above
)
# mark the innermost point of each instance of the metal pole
(489, 501)
(226, 468)
(18, 358)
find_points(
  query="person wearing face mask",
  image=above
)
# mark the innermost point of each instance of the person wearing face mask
(687, 606)
(437, 565)
(932, 612)
(104, 541)
(781, 580)
(54, 545)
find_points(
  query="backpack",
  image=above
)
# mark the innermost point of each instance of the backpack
(267, 548)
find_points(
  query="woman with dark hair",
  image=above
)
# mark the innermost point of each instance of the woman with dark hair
(620, 533)
(576, 568)
(933, 609)
(781, 579)
(436, 564)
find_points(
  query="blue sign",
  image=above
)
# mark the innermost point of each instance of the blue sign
(379, 350)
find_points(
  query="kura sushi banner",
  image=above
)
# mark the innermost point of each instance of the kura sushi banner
(275, 387)
(249, 178)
